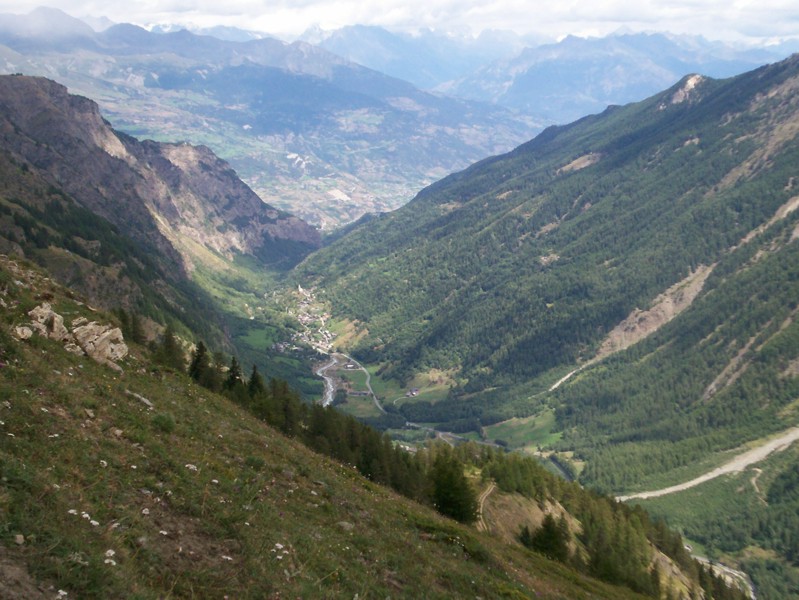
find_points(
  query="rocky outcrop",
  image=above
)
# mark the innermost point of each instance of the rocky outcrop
(48, 323)
(102, 343)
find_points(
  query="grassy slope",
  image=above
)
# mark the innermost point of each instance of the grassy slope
(195, 498)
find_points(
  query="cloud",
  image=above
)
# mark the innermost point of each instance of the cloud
(715, 19)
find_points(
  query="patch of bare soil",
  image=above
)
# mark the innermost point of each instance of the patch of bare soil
(642, 323)
(734, 369)
(16, 583)
(586, 160)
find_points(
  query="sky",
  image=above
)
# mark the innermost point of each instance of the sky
(760, 21)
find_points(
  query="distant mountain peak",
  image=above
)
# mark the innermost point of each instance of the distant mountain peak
(44, 23)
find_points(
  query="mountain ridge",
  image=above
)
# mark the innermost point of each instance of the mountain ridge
(184, 194)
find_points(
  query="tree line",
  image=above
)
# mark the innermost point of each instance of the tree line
(432, 476)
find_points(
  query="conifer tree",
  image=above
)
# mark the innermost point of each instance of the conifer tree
(452, 494)
(200, 363)
(136, 329)
(256, 386)
(169, 353)
(234, 375)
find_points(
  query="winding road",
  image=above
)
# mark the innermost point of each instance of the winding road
(330, 384)
(736, 465)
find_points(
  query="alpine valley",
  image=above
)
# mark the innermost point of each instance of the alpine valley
(129, 471)
(585, 350)
(619, 292)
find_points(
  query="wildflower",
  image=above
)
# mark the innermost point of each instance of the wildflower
(109, 553)
(103, 463)
(145, 511)
(191, 467)
(162, 532)
(72, 511)
(227, 557)
(62, 594)
(94, 523)
(110, 561)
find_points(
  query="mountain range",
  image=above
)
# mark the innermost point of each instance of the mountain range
(330, 131)
(427, 59)
(562, 82)
(309, 131)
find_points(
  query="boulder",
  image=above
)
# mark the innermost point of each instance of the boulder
(48, 322)
(101, 342)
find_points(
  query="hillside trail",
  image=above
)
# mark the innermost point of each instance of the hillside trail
(481, 524)
(736, 465)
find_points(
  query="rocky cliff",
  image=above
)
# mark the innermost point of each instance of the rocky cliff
(178, 198)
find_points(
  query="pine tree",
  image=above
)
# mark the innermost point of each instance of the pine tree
(169, 353)
(256, 386)
(136, 329)
(452, 494)
(234, 376)
(200, 363)
(551, 539)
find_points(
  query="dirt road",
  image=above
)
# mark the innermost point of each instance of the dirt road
(736, 465)
(481, 524)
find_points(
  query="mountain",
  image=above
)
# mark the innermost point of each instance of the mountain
(516, 269)
(579, 76)
(177, 196)
(136, 481)
(165, 232)
(153, 484)
(426, 59)
(619, 291)
(44, 27)
(309, 131)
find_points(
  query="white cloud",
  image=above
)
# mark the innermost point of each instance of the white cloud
(715, 19)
